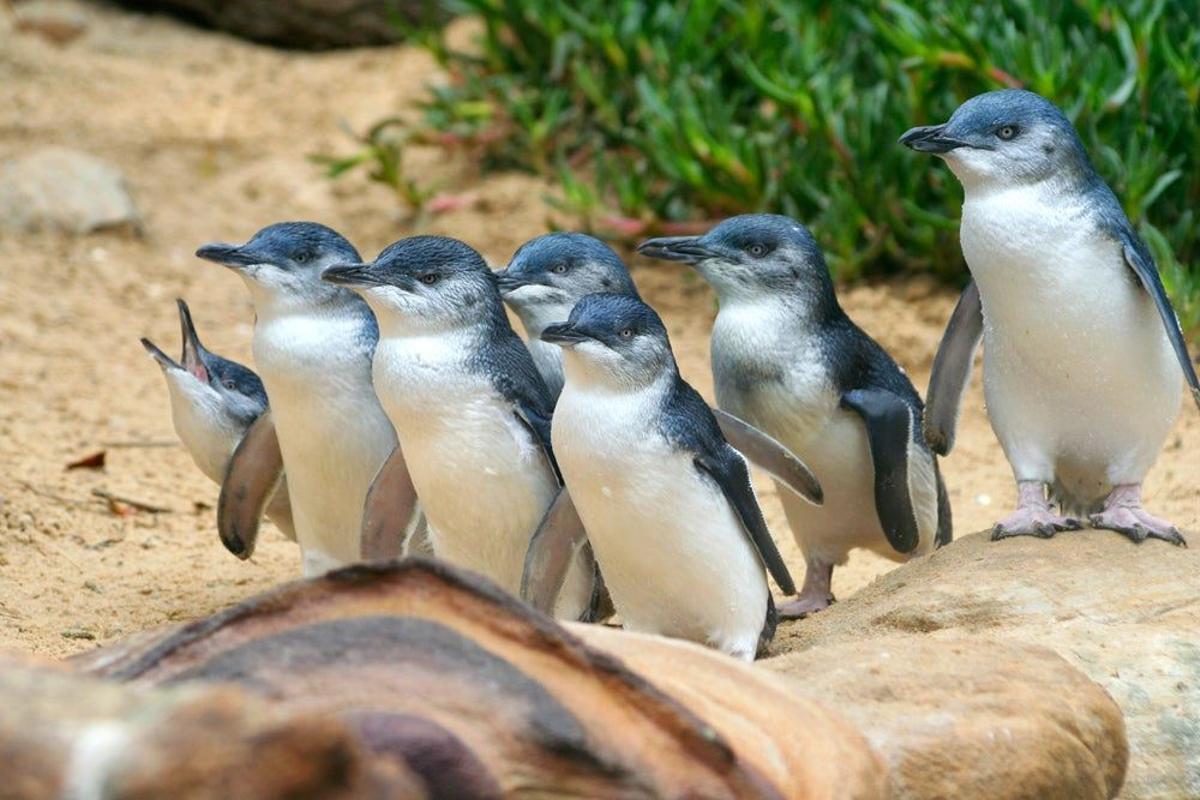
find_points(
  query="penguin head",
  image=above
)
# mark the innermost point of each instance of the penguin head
(216, 387)
(749, 256)
(285, 260)
(425, 282)
(1004, 138)
(612, 339)
(548, 275)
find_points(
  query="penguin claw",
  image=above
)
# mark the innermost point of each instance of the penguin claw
(803, 606)
(1137, 524)
(1033, 522)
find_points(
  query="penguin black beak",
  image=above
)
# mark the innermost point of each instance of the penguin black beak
(164, 360)
(350, 275)
(686, 249)
(564, 333)
(192, 359)
(507, 283)
(229, 255)
(930, 139)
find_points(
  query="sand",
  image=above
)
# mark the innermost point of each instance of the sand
(214, 137)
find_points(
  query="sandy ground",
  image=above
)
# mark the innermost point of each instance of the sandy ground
(214, 137)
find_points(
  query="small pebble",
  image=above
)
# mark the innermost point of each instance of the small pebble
(78, 633)
(983, 499)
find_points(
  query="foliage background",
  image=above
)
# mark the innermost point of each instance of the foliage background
(652, 113)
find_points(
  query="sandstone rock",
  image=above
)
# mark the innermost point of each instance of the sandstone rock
(60, 189)
(64, 735)
(967, 717)
(1126, 615)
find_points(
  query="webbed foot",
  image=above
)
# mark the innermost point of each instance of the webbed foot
(1033, 516)
(816, 595)
(1124, 514)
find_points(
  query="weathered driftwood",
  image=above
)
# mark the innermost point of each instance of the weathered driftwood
(67, 735)
(445, 675)
(303, 24)
(466, 692)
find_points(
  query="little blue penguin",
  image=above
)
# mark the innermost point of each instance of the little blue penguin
(787, 359)
(213, 402)
(472, 412)
(666, 501)
(313, 344)
(544, 280)
(1083, 352)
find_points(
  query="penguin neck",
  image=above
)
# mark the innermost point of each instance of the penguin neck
(808, 305)
(581, 376)
(269, 304)
(1074, 179)
(207, 429)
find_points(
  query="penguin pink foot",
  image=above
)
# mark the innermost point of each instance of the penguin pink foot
(1033, 516)
(816, 595)
(1124, 514)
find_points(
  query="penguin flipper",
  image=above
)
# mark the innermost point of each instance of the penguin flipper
(889, 422)
(952, 370)
(538, 425)
(728, 468)
(1138, 259)
(764, 451)
(388, 510)
(945, 528)
(551, 550)
(251, 478)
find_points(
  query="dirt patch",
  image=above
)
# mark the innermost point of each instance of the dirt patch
(214, 136)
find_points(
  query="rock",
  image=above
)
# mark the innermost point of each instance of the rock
(60, 189)
(792, 735)
(304, 24)
(65, 735)
(1126, 615)
(967, 717)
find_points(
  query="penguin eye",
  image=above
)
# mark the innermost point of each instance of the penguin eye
(300, 258)
(757, 250)
(1007, 132)
(559, 269)
(228, 384)
(429, 278)
(625, 333)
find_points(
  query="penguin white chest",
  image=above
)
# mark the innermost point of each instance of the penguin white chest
(1079, 377)
(483, 481)
(332, 432)
(775, 376)
(672, 550)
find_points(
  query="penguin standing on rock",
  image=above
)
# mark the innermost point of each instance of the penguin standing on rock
(472, 412)
(667, 503)
(546, 278)
(787, 359)
(214, 401)
(1083, 352)
(312, 345)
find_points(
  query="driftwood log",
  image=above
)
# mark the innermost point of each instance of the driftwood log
(303, 24)
(443, 675)
(70, 736)
(414, 680)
